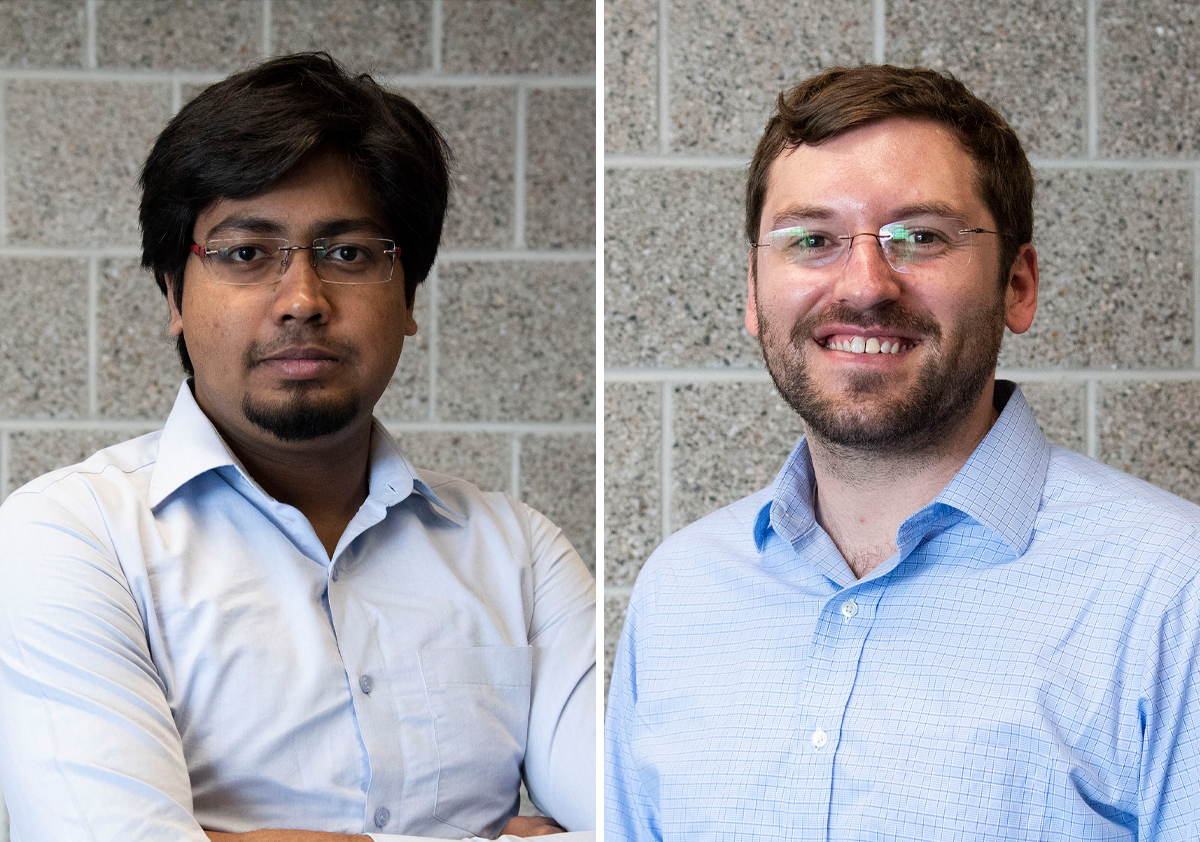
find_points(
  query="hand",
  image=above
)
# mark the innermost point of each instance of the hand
(283, 836)
(531, 826)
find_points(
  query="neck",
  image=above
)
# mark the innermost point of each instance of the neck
(862, 497)
(326, 479)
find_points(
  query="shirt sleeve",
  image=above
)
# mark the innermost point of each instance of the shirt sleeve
(629, 813)
(572, 836)
(88, 747)
(560, 752)
(1168, 807)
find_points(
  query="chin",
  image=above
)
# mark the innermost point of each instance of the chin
(301, 416)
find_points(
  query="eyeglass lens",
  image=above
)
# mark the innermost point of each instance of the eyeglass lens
(259, 260)
(908, 245)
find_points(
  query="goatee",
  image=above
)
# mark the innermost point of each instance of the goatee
(301, 417)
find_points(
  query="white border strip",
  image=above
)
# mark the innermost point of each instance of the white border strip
(1093, 93)
(1092, 433)
(93, 336)
(519, 185)
(514, 466)
(3, 171)
(1196, 265)
(880, 30)
(668, 466)
(267, 24)
(89, 36)
(437, 29)
(4, 472)
(433, 285)
(664, 79)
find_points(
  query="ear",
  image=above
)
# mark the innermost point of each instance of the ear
(175, 325)
(410, 324)
(751, 304)
(1021, 294)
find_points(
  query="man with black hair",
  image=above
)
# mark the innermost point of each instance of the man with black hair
(263, 620)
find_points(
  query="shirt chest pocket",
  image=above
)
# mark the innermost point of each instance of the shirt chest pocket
(479, 700)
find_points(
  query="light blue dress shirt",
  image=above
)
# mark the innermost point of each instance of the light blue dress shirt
(178, 651)
(1025, 667)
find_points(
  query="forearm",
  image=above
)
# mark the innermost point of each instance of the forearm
(285, 836)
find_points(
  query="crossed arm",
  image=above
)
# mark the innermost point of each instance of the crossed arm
(89, 748)
(522, 826)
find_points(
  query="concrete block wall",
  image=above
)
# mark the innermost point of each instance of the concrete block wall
(1106, 98)
(499, 385)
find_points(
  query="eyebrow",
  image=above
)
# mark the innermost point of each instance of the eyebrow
(270, 227)
(798, 214)
(794, 214)
(930, 209)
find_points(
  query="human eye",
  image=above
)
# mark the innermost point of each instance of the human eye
(240, 253)
(925, 235)
(347, 254)
(801, 244)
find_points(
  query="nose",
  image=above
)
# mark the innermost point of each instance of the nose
(300, 295)
(867, 279)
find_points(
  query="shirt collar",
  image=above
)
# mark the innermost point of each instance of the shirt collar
(190, 446)
(1000, 485)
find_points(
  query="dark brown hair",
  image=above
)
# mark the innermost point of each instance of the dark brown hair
(242, 136)
(846, 98)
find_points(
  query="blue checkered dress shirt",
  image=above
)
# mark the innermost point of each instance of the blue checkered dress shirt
(1026, 666)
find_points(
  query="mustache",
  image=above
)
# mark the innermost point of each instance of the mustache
(258, 351)
(890, 314)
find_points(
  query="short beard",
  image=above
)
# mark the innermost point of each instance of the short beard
(946, 390)
(302, 415)
(301, 419)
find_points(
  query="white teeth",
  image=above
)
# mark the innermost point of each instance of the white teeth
(858, 345)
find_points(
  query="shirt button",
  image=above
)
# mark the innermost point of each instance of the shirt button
(367, 684)
(849, 608)
(381, 816)
(819, 738)
(333, 575)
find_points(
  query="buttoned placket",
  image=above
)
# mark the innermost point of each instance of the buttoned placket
(841, 631)
(372, 694)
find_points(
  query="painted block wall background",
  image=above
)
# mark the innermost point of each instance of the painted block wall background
(1105, 95)
(499, 385)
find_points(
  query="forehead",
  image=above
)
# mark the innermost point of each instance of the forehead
(868, 173)
(323, 188)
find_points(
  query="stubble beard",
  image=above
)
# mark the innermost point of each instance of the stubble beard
(856, 418)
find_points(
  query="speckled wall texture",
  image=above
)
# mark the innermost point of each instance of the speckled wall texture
(499, 385)
(1105, 94)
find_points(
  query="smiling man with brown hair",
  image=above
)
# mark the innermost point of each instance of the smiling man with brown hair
(933, 625)
(263, 620)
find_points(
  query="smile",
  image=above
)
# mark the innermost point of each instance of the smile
(857, 344)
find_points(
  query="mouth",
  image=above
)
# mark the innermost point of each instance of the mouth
(300, 362)
(306, 352)
(854, 340)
